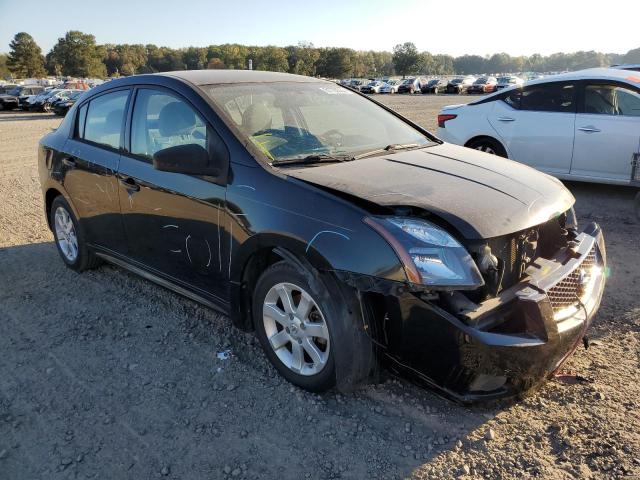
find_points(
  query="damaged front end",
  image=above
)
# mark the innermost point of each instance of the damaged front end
(538, 292)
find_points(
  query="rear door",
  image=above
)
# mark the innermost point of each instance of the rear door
(536, 124)
(173, 221)
(89, 166)
(607, 131)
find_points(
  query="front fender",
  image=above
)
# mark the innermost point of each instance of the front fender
(322, 228)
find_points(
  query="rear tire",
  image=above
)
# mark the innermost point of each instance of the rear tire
(488, 145)
(69, 238)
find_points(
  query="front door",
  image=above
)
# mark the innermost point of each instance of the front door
(173, 221)
(607, 132)
(536, 125)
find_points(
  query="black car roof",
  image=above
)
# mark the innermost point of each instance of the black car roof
(208, 77)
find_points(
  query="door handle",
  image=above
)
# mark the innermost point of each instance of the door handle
(589, 129)
(69, 162)
(130, 184)
(506, 119)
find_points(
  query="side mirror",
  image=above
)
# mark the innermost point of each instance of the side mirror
(190, 159)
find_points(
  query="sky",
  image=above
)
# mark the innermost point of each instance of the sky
(465, 27)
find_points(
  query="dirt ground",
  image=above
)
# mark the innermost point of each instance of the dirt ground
(105, 375)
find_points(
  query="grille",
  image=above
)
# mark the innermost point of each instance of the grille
(567, 291)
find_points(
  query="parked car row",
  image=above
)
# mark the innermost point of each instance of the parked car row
(18, 95)
(45, 101)
(36, 98)
(458, 85)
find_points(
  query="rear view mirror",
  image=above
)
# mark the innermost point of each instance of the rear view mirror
(190, 159)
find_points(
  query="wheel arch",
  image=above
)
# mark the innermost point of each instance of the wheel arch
(255, 256)
(49, 196)
(355, 359)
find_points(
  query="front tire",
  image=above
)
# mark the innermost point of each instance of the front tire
(69, 237)
(293, 326)
(310, 328)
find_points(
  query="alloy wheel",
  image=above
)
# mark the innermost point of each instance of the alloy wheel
(66, 234)
(486, 149)
(296, 329)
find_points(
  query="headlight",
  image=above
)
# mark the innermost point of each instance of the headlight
(431, 256)
(571, 221)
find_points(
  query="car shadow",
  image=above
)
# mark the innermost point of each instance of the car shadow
(120, 340)
(20, 115)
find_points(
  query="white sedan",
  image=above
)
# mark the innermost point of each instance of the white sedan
(581, 125)
(391, 86)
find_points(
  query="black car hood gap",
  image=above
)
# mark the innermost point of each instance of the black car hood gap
(480, 195)
(457, 176)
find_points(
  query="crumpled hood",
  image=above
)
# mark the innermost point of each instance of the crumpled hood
(481, 195)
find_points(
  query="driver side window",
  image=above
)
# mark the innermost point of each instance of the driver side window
(161, 120)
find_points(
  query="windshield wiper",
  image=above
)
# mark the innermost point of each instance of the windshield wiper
(314, 158)
(389, 148)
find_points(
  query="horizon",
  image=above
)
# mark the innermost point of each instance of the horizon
(334, 25)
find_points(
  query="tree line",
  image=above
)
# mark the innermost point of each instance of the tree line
(78, 55)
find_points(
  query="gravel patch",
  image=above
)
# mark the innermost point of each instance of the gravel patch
(105, 375)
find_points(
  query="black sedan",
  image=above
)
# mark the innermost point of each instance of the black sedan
(346, 236)
(459, 85)
(436, 85)
(17, 96)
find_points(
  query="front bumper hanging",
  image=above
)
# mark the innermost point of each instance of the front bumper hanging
(509, 343)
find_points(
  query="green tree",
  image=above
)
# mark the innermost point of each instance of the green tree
(162, 59)
(443, 65)
(335, 62)
(270, 58)
(4, 70)
(632, 56)
(216, 63)
(25, 57)
(406, 58)
(302, 58)
(124, 59)
(195, 58)
(468, 64)
(76, 54)
(384, 63)
(234, 56)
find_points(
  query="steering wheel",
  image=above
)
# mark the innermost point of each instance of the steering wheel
(333, 137)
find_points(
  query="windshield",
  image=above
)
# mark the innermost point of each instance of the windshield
(15, 91)
(480, 81)
(456, 80)
(288, 120)
(434, 82)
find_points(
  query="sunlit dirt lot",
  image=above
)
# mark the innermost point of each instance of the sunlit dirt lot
(104, 375)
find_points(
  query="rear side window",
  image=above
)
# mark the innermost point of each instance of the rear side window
(611, 100)
(513, 98)
(104, 119)
(549, 97)
(161, 120)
